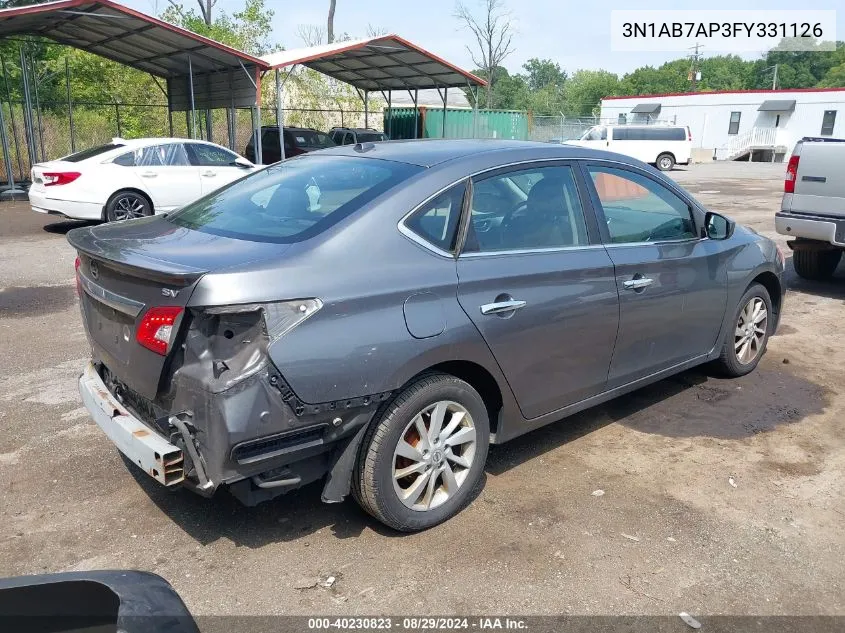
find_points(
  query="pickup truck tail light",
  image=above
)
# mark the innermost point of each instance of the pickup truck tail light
(791, 175)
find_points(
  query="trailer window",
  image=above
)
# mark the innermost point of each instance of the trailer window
(733, 126)
(828, 121)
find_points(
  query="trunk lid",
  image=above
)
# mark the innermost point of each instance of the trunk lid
(126, 268)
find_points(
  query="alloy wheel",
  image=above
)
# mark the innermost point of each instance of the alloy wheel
(433, 456)
(750, 332)
(128, 207)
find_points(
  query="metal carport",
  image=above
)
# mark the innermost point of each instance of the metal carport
(200, 74)
(382, 64)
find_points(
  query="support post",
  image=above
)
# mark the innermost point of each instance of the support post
(117, 117)
(27, 110)
(208, 126)
(366, 108)
(416, 113)
(170, 122)
(280, 121)
(445, 99)
(192, 120)
(10, 179)
(475, 114)
(12, 116)
(259, 150)
(38, 114)
(70, 107)
(389, 114)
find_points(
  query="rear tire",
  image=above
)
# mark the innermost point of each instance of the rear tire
(748, 333)
(444, 469)
(665, 162)
(816, 265)
(127, 205)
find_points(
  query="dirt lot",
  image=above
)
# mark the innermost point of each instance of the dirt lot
(669, 534)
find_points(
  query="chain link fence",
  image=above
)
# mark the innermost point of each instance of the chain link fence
(59, 130)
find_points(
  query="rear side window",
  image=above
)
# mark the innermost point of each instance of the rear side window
(437, 221)
(311, 139)
(294, 200)
(211, 156)
(371, 137)
(85, 154)
(650, 134)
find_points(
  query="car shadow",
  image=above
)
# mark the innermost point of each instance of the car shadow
(61, 228)
(687, 405)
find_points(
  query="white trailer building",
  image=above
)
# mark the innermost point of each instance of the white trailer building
(759, 125)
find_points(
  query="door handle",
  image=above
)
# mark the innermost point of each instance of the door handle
(638, 283)
(502, 306)
(209, 173)
(148, 174)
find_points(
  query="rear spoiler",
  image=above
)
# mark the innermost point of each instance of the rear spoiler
(131, 263)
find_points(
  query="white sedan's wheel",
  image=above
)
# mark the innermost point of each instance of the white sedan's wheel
(127, 205)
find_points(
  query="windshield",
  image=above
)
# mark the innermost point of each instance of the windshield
(311, 139)
(371, 137)
(293, 201)
(90, 153)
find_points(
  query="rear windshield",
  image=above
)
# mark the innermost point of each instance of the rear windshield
(294, 200)
(90, 153)
(310, 139)
(371, 137)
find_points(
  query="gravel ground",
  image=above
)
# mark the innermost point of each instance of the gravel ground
(669, 533)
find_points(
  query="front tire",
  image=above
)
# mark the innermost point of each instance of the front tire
(665, 162)
(127, 205)
(747, 337)
(422, 460)
(816, 265)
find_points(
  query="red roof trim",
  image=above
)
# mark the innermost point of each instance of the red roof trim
(725, 92)
(70, 4)
(364, 44)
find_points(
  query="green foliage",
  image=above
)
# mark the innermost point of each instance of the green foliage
(584, 90)
(247, 30)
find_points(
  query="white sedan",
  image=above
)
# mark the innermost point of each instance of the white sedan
(133, 178)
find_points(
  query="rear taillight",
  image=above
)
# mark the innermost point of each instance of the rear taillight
(54, 178)
(156, 328)
(791, 175)
(76, 265)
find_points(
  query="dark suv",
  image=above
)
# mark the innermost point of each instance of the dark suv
(353, 135)
(298, 140)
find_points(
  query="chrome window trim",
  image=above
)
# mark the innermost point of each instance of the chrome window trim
(113, 300)
(420, 241)
(529, 251)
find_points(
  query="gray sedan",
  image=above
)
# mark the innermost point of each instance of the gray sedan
(374, 316)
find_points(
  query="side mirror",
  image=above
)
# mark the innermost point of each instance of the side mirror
(718, 227)
(243, 163)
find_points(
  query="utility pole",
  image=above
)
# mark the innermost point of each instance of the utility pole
(695, 56)
(775, 79)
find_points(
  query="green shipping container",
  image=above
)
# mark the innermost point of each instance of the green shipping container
(460, 123)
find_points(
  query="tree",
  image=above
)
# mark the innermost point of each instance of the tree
(493, 35)
(542, 73)
(585, 89)
(248, 30)
(330, 22)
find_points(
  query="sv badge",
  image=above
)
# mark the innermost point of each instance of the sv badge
(169, 292)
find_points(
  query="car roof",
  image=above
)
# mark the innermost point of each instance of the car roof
(430, 152)
(165, 140)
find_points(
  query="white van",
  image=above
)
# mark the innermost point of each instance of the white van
(661, 145)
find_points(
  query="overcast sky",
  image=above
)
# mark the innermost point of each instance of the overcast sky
(575, 34)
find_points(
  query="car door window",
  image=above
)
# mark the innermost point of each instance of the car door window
(437, 221)
(210, 156)
(348, 139)
(165, 155)
(638, 209)
(533, 208)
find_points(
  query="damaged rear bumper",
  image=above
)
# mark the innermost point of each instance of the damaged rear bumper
(143, 445)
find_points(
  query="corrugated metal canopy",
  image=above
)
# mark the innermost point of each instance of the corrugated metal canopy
(386, 62)
(223, 76)
(646, 108)
(777, 105)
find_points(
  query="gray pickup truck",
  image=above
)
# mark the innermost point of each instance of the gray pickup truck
(813, 206)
